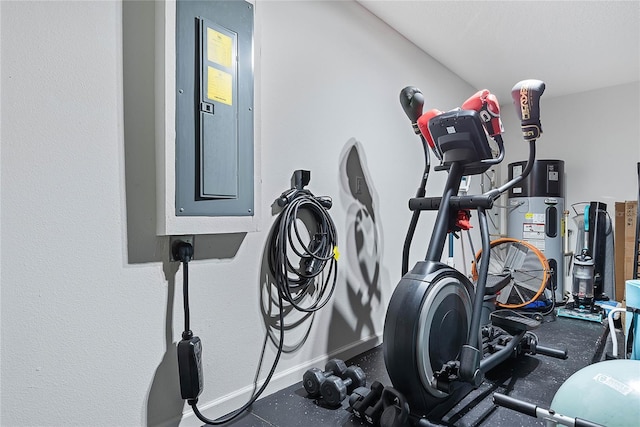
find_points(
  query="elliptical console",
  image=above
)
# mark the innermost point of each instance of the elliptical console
(461, 138)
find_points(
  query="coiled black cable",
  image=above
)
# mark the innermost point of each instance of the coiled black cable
(296, 283)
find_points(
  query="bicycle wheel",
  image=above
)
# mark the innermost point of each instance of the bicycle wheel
(528, 269)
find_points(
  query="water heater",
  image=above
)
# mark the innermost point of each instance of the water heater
(535, 213)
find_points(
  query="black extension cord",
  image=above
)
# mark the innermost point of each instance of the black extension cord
(296, 282)
(190, 350)
(320, 251)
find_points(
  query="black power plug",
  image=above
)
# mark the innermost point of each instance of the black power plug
(182, 251)
(190, 366)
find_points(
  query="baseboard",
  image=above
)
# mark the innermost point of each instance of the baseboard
(230, 402)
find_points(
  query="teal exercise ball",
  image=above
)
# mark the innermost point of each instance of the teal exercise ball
(606, 393)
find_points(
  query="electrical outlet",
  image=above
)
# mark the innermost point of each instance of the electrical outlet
(173, 239)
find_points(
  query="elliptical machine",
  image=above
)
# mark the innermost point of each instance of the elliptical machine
(437, 342)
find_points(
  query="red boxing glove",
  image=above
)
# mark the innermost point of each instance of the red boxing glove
(423, 125)
(464, 220)
(491, 115)
(486, 104)
(476, 101)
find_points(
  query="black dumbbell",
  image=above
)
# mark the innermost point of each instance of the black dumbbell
(314, 377)
(372, 413)
(334, 389)
(363, 399)
(396, 409)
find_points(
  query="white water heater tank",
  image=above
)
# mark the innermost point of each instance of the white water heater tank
(535, 214)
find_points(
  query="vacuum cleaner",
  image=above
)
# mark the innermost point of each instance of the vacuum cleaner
(583, 279)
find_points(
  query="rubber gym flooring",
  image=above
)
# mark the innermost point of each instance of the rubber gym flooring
(534, 379)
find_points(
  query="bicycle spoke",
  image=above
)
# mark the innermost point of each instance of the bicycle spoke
(526, 265)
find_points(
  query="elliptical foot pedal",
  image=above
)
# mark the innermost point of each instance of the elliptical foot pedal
(512, 321)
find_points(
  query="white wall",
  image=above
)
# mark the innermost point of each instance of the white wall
(91, 308)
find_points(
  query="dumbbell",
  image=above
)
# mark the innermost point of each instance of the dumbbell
(314, 377)
(365, 402)
(396, 408)
(334, 389)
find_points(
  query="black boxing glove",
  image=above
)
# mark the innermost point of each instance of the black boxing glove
(526, 97)
(412, 102)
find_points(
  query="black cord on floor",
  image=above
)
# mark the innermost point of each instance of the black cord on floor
(235, 414)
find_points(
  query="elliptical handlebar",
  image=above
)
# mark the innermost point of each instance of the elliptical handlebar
(412, 102)
(496, 192)
(526, 96)
(500, 158)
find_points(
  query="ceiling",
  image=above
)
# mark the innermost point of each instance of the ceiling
(573, 46)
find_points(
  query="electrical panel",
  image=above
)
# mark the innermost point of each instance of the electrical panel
(214, 108)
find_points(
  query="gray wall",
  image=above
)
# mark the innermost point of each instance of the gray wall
(91, 307)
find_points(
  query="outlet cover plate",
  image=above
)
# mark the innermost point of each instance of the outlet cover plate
(187, 238)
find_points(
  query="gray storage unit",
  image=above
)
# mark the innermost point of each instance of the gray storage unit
(535, 213)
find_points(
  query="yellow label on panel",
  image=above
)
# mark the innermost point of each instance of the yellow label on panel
(219, 86)
(528, 215)
(219, 48)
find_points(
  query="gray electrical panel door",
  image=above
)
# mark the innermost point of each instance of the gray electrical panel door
(214, 108)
